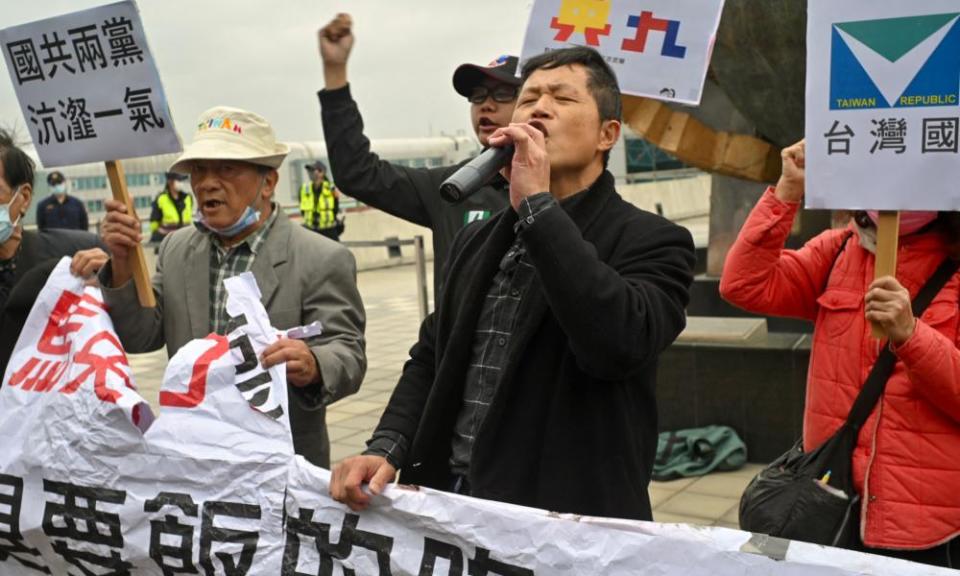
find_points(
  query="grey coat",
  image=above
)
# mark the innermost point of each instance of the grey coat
(302, 277)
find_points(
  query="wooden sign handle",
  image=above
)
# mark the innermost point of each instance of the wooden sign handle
(888, 237)
(141, 277)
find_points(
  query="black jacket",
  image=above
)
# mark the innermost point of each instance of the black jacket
(72, 214)
(38, 255)
(573, 426)
(409, 193)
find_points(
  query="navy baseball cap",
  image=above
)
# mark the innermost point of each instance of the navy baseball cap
(468, 76)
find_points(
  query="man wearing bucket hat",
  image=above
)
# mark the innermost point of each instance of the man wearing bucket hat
(303, 277)
(412, 193)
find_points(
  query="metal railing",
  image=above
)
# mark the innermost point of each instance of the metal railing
(420, 263)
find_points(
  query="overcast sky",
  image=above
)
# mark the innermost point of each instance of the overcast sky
(262, 55)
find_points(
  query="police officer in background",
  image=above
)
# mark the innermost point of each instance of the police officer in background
(172, 208)
(60, 209)
(320, 202)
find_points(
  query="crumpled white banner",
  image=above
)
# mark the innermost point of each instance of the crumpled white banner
(90, 483)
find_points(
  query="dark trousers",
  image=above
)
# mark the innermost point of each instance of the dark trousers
(459, 485)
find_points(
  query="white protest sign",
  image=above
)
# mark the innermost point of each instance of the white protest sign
(883, 104)
(657, 48)
(88, 86)
(212, 486)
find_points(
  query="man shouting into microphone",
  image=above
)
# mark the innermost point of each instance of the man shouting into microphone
(533, 382)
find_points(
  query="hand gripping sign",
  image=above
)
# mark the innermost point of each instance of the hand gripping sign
(90, 483)
(883, 111)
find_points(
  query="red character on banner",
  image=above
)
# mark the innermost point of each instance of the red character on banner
(99, 365)
(54, 340)
(41, 375)
(198, 380)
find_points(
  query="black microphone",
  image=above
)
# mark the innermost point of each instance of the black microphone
(475, 173)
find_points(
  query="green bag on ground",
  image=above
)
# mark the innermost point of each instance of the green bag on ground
(698, 451)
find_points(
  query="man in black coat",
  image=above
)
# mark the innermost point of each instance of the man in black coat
(27, 257)
(533, 382)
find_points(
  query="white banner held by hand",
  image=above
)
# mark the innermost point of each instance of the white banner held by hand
(213, 487)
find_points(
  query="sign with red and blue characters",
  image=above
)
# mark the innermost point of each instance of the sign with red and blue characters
(658, 48)
(883, 104)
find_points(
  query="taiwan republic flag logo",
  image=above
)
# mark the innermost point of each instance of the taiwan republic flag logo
(896, 63)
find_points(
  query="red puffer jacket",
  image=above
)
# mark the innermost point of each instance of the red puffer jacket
(906, 464)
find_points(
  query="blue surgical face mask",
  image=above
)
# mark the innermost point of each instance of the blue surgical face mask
(59, 189)
(247, 219)
(7, 226)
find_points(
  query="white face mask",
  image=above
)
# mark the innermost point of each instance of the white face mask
(59, 189)
(248, 218)
(7, 226)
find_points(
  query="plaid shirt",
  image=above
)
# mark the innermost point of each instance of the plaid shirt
(229, 262)
(495, 326)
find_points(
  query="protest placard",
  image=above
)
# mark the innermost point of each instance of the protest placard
(91, 483)
(658, 48)
(88, 86)
(883, 111)
(90, 91)
(883, 105)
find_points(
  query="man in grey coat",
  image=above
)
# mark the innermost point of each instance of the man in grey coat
(303, 277)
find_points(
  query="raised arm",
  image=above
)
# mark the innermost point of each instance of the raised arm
(408, 193)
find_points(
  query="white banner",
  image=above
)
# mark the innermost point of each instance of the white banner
(91, 484)
(658, 48)
(88, 86)
(883, 104)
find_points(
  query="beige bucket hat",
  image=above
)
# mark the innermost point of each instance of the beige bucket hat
(225, 133)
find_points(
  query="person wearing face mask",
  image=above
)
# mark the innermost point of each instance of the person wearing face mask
(238, 227)
(172, 208)
(412, 194)
(61, 210)
(906, 464)
(27, 256)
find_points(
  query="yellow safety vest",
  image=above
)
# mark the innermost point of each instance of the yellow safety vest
(318, 209)
(169, 218)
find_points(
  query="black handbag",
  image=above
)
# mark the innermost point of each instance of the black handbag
(810, 496)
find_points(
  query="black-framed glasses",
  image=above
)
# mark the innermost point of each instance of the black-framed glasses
(503, 93)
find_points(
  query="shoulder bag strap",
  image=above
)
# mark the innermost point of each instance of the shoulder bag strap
(836, 257)
(877, 379)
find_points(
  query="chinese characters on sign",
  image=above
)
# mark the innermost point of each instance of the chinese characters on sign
(660, 49)
(77, 50)
(882, 118)
(88, 86)
(938, 135)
